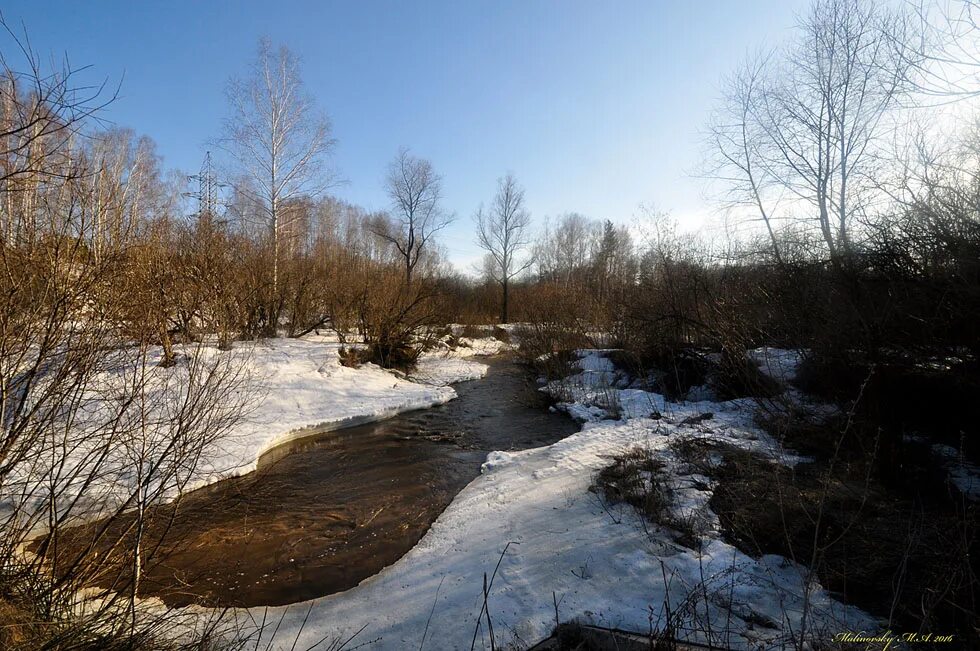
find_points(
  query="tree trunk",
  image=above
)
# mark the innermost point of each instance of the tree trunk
(137, 563)
(169, 357)
(503, 311)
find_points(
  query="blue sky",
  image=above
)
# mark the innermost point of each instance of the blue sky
(595, 106)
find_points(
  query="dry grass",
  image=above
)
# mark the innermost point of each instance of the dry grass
(349, 357)
(638, 477)
(15, 626)
(897, 558)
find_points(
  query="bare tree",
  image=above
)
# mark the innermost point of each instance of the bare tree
(90, 426)
(612, 261)
(42, 113)
(946, 57)
(415, 190)
(278, 139)
(808, 122)
(502, 230)
(565, 247)
(734, 139)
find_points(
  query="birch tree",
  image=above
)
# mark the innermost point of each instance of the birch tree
(42, 115)
(279, 141)
(564, 249)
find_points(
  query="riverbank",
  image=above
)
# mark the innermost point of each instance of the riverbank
(324, 512)
(300, 387)
(603, 565)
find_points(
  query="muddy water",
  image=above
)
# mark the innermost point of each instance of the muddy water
(323, 513)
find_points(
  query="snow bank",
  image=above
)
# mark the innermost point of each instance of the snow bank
(455, 365)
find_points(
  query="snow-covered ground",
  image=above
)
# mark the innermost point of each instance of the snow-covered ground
(602, 564)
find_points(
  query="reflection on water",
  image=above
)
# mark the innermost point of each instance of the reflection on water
(324, 512)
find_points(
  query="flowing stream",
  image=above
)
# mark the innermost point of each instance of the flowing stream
(322, 513)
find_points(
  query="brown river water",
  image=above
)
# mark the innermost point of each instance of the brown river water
(322, 513)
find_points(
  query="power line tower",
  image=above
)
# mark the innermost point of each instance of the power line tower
(207, 193)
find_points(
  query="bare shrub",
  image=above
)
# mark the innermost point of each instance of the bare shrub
(92, 426)
(639, 477)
